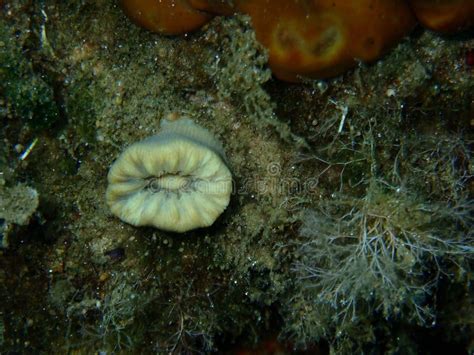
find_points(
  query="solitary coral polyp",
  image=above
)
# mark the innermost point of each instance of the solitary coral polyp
(176, 180)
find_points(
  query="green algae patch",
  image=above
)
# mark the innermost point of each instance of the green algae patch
(25, 92)
(82, 101)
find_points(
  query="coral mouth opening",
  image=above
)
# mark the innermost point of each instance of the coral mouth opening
(170, 183)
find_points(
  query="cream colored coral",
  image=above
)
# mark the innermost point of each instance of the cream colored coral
(176, 180)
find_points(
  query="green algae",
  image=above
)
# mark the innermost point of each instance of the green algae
(25, 91)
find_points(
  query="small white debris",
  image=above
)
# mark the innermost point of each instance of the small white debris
(29, 149)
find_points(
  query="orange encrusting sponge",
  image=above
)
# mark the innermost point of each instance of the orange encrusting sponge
(320, 39)
(311, 38)
(448, 16)
(218, 7)
(169, 17)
